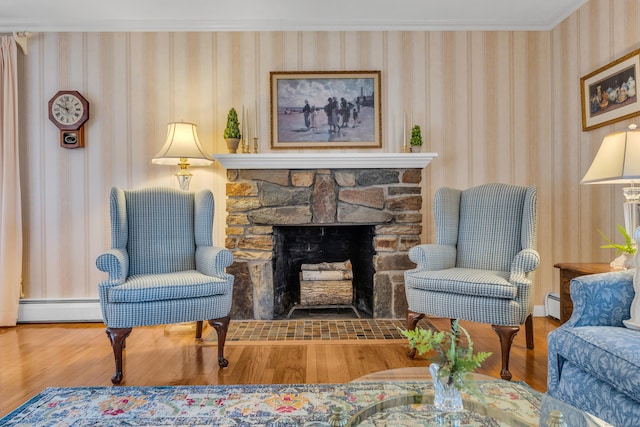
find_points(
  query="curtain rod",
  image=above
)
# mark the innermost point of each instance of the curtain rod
(21, 38)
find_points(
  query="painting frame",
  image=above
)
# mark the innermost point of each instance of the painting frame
(608, 94)
(302, 117)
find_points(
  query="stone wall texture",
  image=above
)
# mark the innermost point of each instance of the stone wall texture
(258, 200)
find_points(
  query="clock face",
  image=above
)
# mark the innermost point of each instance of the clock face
(68, 110)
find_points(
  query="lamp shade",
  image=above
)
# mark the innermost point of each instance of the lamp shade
(182, 143)
(617, 161)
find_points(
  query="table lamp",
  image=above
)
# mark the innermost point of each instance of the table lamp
(182, 148)
(618, 162)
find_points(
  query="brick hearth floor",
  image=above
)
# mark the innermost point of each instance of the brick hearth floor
(315, 329)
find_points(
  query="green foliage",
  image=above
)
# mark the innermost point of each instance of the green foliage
(416, 136)
(454, 358)
(233, 126)
(627, 248)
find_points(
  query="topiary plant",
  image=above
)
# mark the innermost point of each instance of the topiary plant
(233, 126)
(416, 136)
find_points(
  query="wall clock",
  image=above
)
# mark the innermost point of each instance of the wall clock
(69, 111)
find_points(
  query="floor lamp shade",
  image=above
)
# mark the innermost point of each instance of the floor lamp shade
(182, 148)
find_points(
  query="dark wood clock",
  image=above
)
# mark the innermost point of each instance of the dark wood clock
(69, 111)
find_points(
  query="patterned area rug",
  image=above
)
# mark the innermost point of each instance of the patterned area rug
(314, 329)
(255, 405)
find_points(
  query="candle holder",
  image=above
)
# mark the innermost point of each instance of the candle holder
(245, 147)
(255, 145)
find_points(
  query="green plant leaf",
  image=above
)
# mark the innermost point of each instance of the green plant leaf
(454, 358)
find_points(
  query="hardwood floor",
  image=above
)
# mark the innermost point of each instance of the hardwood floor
(36, 356)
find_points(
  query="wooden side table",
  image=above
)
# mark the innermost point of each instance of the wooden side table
(571, 270)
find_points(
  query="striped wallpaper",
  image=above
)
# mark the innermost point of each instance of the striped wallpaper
(495, 106)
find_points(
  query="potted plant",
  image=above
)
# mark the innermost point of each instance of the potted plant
(626, 251)
(232, 132)
(416, 139)
(451, 361)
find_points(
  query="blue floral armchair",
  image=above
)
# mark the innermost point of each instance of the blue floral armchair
(163, 267)
(594, 361)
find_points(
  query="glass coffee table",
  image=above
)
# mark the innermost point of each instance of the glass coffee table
(506, 403)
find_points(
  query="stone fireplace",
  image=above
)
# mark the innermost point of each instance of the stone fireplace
(336, 208)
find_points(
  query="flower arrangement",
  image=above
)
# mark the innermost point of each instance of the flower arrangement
(233, 126)
(627, 248)
(454, 358)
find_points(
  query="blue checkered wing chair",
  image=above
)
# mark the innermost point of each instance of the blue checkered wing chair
(163, 267)
(480, 268)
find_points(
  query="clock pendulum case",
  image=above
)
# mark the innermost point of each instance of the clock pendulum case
(69, 111)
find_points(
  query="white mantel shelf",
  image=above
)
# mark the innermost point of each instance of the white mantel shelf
(377, 160)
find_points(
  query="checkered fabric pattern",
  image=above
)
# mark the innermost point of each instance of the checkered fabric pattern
(480, 267)
(162, 266)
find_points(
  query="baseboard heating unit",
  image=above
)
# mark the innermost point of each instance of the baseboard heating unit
(552, 305)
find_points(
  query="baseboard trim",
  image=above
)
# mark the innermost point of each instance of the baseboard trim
(88, 310)
(59, 310)
(539, 311)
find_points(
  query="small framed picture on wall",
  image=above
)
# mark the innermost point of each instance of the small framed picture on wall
(609, 93)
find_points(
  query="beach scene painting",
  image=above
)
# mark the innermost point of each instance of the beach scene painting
(325, 109)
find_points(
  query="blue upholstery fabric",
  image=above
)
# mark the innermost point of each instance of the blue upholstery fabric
(480, 267)
(162, 266)
(594, 361)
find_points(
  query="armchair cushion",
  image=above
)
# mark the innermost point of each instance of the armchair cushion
(167, 286)
(490, 231)
(466, 281)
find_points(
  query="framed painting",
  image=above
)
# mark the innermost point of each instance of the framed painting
(609, 93)
(325, 109)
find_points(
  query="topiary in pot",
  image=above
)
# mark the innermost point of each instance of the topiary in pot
(232, 132)
(416, 139)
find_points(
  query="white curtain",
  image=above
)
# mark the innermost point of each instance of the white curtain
(10, 199)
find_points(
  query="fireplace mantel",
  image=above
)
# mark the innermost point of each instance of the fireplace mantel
(378, 160)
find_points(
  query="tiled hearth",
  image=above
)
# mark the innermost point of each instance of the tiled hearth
(258, 200)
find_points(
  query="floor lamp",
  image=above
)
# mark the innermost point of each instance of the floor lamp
(618, 162)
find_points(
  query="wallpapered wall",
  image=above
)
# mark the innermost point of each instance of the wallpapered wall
(495, 106)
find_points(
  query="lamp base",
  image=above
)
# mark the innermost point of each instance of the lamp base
(183, 181)
(631, 209)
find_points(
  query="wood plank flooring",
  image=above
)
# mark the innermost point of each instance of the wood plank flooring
(36, 356)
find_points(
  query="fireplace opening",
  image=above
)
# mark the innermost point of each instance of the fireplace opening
(312, 244)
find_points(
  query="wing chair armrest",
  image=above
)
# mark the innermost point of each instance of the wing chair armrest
(433, 256)
(601, 299)
(212, 260)
(116, 263)
(524, 262)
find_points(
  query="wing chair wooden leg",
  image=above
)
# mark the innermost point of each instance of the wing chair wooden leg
(221, 325)
(506, 334)
(528, 329)
(199, 329)
(412, 320)
(117, 336)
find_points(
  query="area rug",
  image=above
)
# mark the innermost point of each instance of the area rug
(237, 405)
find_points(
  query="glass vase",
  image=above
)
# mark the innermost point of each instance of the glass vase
(446, 396)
